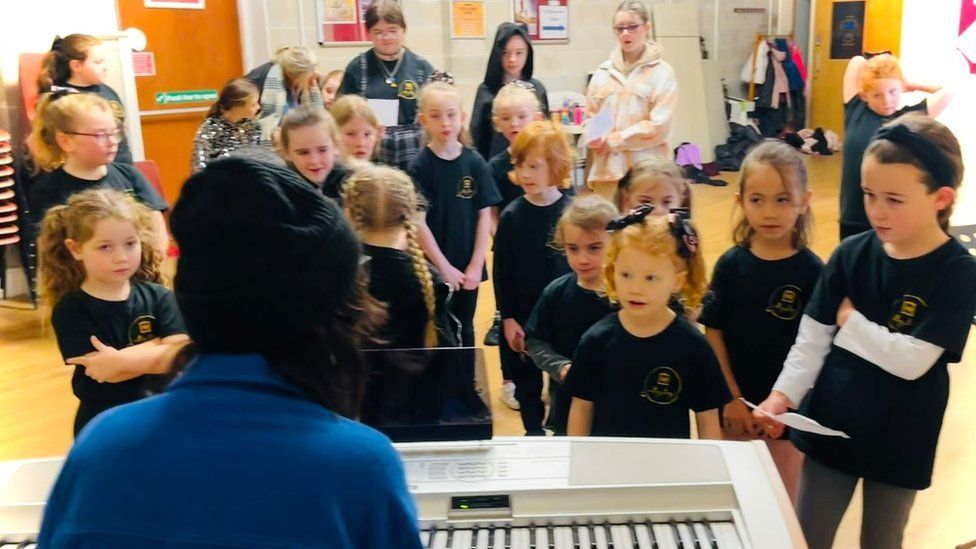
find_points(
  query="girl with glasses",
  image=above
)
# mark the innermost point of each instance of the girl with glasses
(641, 92)
(74, 142)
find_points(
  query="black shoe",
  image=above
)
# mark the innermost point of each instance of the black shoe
(491, 338)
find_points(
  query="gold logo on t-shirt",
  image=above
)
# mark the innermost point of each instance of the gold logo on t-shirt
(466, 187)
(142, 329)
(662, 386)
(904, 311)
(785, 303)
(408, 89)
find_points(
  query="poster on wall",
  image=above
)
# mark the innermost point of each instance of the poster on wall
(342, 21)
(178, 4)
(546, 19)
(847, 30)
(967, 33)
(467, 19)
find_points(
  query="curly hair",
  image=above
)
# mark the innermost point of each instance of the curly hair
(59, 272)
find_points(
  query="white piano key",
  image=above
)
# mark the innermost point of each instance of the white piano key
(425, 538)
(461, 539)
(728, 537)
(600, 537)
(620, 534)
(704, 536)
(687, 539)
(664, 536)
(498, 541)
(541, 537)
(644, 539)
(481, 540)
(440, 540)
(584, 537)
(562, 537)
(521, 538)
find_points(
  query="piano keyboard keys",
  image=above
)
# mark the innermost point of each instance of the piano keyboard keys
(649, 535)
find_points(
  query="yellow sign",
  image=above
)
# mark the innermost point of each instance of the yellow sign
(467, 19)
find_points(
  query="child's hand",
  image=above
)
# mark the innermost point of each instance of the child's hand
(472, 277)
(564, 371)
(514, 335)
(452, 276)
(738, 419)
(844, 311)
(598, 145)
(776, 403)
(105, 364)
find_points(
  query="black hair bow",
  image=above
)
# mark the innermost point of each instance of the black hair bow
(441, 76)
(636, 215)
(684, 232)
(57, 43)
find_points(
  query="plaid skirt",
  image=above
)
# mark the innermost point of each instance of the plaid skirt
(399, 145)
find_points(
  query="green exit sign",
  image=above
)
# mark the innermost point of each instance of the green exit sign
(187, 96)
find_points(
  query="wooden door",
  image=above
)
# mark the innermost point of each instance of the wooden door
(194, 50)
(882, 31)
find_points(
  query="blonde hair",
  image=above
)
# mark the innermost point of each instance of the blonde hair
(513, 94)
(636, 7)
(349, 107)
(332, 74)
(59, 272)
(56, 64)
(304, 116)
(886, 152)
(588, 212)
(792, 172)
(879, 67)
(58, 113)
(295, 60)
(654, 170)
(549, 138)
(653, 236)
(432, 88)
(380, 197)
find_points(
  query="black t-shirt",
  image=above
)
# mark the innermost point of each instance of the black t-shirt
(332, 186)
(758, 305)
(55, 187)
(525, 262)
(860, 125)
(644, 387)
(500, 165)
(409, 78)
(124, 156)
(564, 312)
(893, 423)
(150, 312)
(456, 190)
(393, 280)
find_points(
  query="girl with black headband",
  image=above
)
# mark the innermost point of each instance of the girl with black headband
(892, 309)
(638, 373)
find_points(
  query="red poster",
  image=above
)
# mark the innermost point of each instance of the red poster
(967, 33)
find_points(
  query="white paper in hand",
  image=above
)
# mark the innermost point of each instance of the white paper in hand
(598, 127)
(799, 422)
(387, 111)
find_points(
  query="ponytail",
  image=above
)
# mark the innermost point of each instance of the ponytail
(59, 272)
(56, 64)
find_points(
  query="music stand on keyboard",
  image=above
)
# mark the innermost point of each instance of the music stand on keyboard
(966, 235)
(428, 395)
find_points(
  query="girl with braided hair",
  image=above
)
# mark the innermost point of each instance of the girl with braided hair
(383, 206)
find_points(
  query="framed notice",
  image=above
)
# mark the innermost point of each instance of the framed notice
(178, 4)
(343, 21)
(547, 20)
(467, 19)
(847, 30)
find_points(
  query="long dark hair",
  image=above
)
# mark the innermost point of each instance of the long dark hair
(56, 64)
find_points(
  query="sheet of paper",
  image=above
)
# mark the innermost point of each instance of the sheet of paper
(387, 111)
(799, 422)
(598, 127)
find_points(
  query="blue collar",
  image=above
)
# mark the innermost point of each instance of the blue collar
(250, 372)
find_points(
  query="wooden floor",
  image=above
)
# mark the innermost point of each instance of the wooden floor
(37, 407)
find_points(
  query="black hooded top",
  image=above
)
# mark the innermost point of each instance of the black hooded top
(487, 141)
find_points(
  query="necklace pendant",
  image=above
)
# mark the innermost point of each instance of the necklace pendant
(391, 81)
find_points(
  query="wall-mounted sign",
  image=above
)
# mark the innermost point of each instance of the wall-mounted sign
(185, 96)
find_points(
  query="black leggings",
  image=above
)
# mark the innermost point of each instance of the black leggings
(528, 386)
(463, 303)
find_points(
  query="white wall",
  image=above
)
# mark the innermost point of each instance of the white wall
(928, 54)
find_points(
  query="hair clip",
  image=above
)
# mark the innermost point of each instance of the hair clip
(636, 215)
(441, 76)
(684, 232)
(522, 84)
(923, 149)
(57, 43)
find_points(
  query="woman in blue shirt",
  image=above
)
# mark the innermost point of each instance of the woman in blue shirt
(248, 447)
